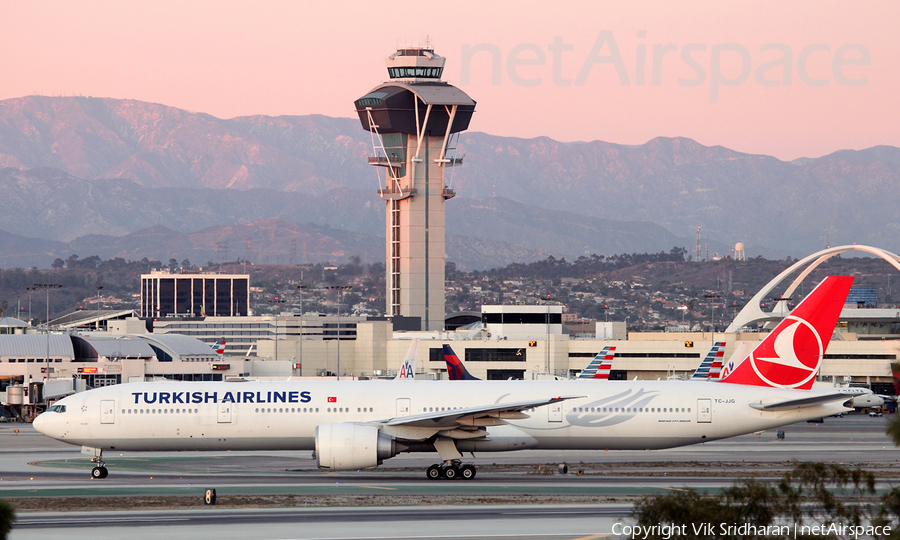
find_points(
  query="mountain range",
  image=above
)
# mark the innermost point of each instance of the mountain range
(127, 178)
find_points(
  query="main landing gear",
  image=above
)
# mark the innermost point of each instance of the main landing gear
(100, 471)
(451, 470)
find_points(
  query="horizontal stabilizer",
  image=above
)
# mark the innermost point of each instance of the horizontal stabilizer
(800, 403)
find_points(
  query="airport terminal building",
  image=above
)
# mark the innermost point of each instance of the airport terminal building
(496, 348)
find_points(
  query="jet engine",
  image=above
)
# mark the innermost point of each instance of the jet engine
(866, 400)
(348, 447)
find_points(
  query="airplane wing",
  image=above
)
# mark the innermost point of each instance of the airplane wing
(474, 416)
(800, 403)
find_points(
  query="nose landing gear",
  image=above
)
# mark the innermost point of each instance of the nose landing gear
(100, 471)
(450, 470)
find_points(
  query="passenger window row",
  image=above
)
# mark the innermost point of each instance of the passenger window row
(632, 409)
(159, 411)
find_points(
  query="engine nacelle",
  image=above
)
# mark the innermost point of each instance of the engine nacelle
(348, 447)
(866, 400)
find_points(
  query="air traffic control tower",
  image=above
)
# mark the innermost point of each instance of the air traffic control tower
(415, 120)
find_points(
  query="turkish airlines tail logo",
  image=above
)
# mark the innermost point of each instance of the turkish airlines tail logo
(790, 356)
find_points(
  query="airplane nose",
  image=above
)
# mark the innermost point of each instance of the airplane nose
(40, 423)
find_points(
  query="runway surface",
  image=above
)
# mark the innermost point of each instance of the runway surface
(437, 522)
(36, 467)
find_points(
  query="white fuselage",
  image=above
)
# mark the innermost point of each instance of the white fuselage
(284, 415)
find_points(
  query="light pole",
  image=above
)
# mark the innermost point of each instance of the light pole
(300, 291)
(47, 287)
(712, 310)
(547, 320)
(98, 305)
(340, 291)
(30, 290)
(782, 299)
(275, 301)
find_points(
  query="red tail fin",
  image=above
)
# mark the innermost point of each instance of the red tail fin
(895, 371)
(790, 356)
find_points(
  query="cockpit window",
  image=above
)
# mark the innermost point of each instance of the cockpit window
(57, 408)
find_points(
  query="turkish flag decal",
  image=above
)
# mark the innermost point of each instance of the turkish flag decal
(332, 400)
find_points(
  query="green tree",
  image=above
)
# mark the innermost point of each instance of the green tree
(7, 518)
(810, 494)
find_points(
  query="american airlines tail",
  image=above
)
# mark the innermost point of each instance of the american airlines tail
(220, 347)
(742, 351)
(456, 371)
(408, 369)
(791, 354)
(600, 366)
(711, 366)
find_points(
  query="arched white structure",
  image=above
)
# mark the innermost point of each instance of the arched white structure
(752, 313)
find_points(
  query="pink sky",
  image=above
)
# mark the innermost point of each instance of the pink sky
(241, 58)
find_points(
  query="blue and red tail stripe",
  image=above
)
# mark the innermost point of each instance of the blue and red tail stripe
(456, 371)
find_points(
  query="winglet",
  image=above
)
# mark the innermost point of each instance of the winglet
(790, 355)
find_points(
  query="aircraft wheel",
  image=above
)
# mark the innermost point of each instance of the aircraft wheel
(97, 472)
(450, 473)
(104, 471)
(433, 472)
(467, 472)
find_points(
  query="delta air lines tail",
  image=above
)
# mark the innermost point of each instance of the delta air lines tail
(895, 371)
(456, 371)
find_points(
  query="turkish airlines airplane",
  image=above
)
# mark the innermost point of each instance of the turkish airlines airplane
(357, 424)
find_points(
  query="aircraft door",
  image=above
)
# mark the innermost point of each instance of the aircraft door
(403, 407)
(224, 413)
(108, 411)
(704, 411)
(555, 412)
